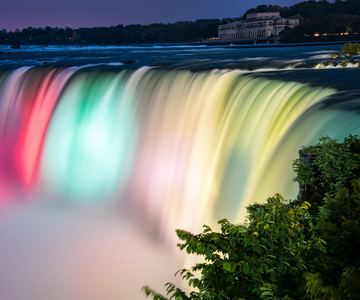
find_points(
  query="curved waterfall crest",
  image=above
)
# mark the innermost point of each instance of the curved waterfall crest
(181, 147)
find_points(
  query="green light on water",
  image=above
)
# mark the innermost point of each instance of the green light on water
(89, 144)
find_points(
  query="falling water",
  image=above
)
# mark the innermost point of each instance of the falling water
(170, 148)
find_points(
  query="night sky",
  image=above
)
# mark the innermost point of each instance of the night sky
(90, 13)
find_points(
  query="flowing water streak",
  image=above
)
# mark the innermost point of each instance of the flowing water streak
(195, 145)
(89, 146)
(9, 117)
(26, 105)
(261, 113)
(179, 148)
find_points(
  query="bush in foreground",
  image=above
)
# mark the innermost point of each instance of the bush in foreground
(265, 259)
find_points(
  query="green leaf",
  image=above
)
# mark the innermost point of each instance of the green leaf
(242, 229)
(246, 269)
(207, 229)
(230, 267)
(266, 293)
(266, 267)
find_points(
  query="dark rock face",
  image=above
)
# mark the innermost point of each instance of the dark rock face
(307, 159)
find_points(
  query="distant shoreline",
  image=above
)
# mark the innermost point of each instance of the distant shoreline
(241, 44)
(232, 44)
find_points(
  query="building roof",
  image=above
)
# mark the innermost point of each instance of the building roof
(262, 15)
(256, 17)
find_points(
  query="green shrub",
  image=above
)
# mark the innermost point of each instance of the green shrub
(265, 259)
(351, 48)
(344, 63)
(333, 165)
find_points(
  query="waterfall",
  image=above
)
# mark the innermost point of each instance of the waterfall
(173, 148)
(177, 145)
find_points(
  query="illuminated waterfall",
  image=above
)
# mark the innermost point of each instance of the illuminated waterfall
(160, 148)
(177, 146)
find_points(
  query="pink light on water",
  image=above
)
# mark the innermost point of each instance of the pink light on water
(28, 98)
(34, 129)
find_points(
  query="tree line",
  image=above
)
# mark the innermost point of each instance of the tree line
(186, 31)
(322, 21)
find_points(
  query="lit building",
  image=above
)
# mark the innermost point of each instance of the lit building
(257, 26)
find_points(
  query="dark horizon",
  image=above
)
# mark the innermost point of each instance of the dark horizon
(20, 14)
